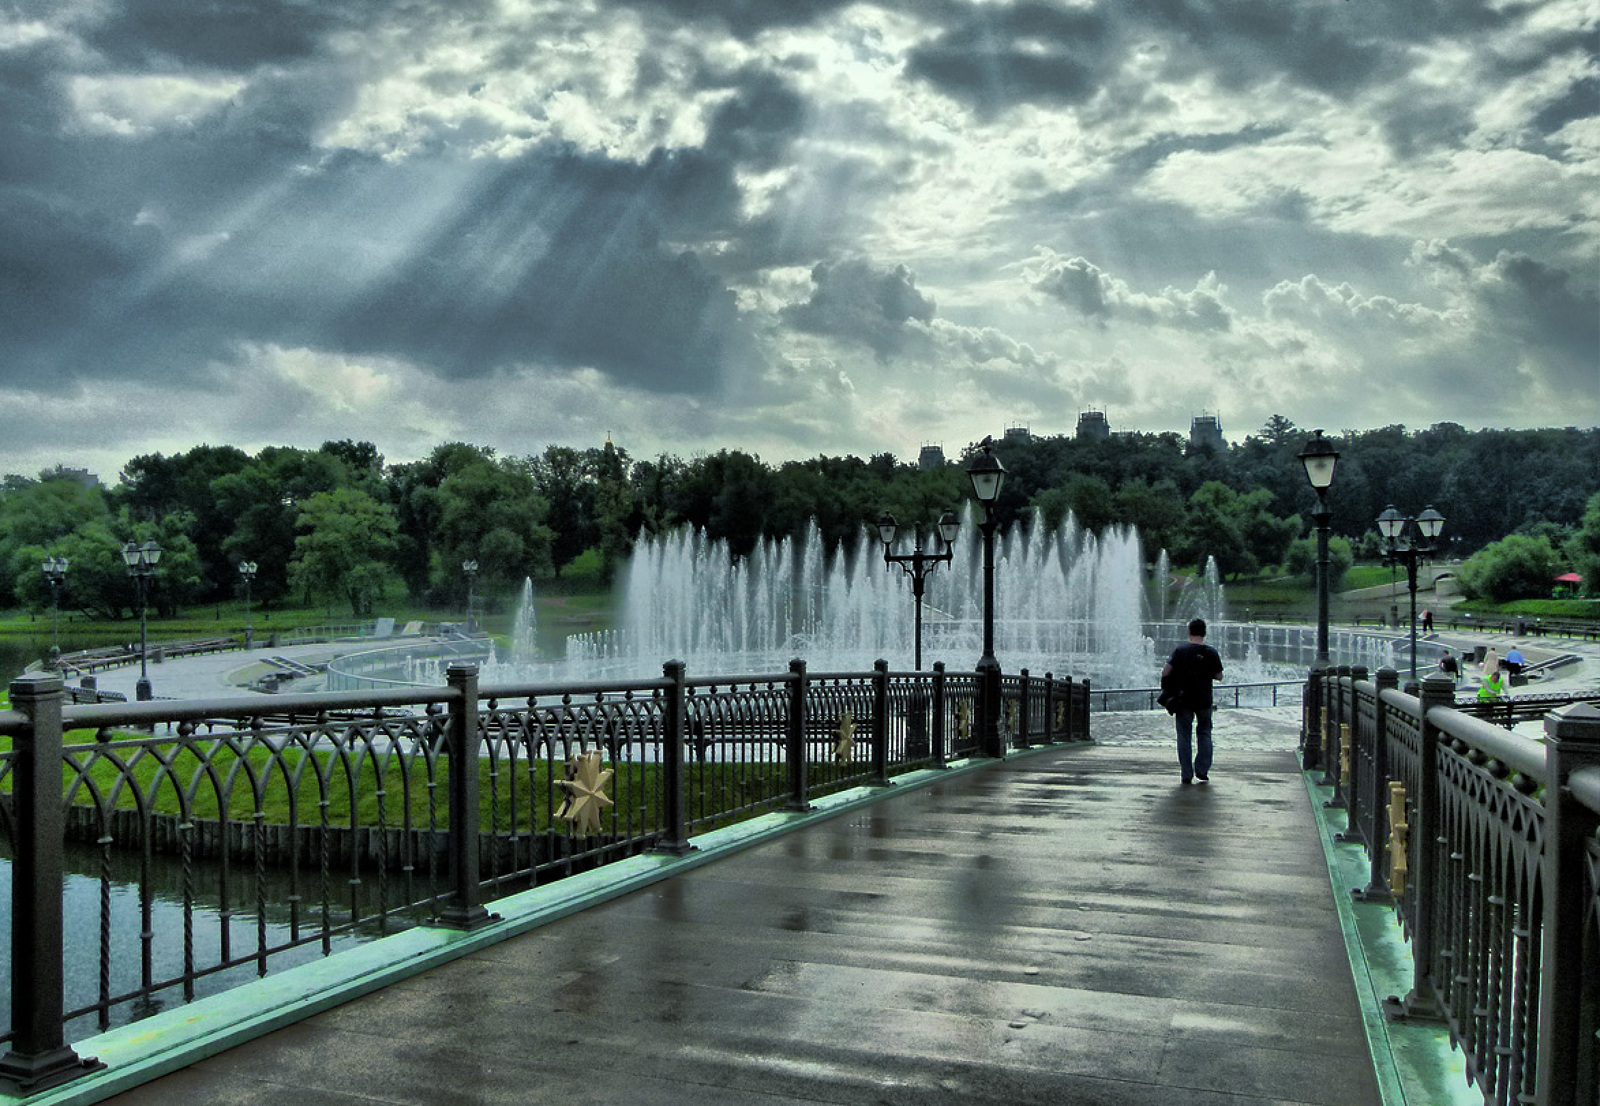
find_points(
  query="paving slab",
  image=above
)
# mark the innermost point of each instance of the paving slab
(1074, 926)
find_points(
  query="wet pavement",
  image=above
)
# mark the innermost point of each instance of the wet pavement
(1072, 926)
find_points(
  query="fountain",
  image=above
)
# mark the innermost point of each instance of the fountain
(1067, 601)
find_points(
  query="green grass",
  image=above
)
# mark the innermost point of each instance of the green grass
(1562, 610)
(1369, 576)
(158, 771)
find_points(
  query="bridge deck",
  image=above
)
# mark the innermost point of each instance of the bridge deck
(1070, 927)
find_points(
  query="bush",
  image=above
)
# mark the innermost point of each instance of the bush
(1517, 567)
(1301, 559)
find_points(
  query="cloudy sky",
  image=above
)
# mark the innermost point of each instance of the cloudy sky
(787, 226)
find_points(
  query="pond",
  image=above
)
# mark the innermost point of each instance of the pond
(81, 904)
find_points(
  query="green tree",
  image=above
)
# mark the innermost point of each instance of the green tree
(490, 511)
(1155, 510)
(613, 506)
(33, 515)
(263, 499)
(1240, 531)
(1301, 558)
(1583, 548)
(1516, 567)
(343, 549)
(564, 480)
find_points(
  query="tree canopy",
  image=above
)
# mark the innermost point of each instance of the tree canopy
(340, 523)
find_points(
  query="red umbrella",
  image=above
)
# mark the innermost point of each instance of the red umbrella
(1569, 578)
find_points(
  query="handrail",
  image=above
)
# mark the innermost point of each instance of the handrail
(1584, 784)
(1520, 754)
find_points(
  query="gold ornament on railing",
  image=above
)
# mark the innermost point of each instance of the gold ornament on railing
(585, 787)
(1061, 718)
(1011, 719)
(847, 739)
(964, 721)
(1344, 750)
(1398, 836)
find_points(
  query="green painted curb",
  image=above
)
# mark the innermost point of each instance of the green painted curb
(1414, 1062)
(174, 1039)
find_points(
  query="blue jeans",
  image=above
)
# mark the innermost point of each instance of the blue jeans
(1188, 763)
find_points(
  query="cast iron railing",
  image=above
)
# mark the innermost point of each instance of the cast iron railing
(1494, 871)
(301, 822)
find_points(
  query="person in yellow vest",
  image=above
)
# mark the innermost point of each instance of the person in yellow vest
(1493, 686)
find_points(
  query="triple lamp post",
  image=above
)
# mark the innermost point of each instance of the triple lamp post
(247, 573)
(987, 475)
(141, 561)
(917, 564)
(1407, 540)
(55, 573)
(471, 569)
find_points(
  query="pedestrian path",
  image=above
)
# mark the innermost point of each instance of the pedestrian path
(1070, 926)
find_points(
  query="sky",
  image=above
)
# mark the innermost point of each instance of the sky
(792, 227)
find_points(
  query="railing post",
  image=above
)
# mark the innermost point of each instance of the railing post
(799, 800)
(880, 723)
(1572, 741)
(1352, 748)
(1423, 1000)
(466, 909)
(1049, 708)
(1021, 736)
(674, 835)
(1332, 711)
(1311, 721)
(939, 757)
(1069, 721)
(39, 1056)
(1080, 724)
(1377, 888)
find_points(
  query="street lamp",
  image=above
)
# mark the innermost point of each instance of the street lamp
(471, 569)
(247, 573)
(918, 564)
(987, 475)
(1406, 540)
(55, 572)
(141, 561)
(1319, 458)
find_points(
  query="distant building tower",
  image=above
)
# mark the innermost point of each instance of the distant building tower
(931, 457)
(1018, 434)
(1093, 426)
(1205, 432)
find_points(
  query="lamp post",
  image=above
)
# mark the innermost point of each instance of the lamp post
(1407, 540)
(55, 572)
(918, 564)
(1319, 458)
(987, 475)
(247, 573)
(471, 569)
(141, 561)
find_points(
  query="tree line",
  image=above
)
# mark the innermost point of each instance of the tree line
(339, 525)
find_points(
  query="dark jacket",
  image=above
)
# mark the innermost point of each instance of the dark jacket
(1194, 668)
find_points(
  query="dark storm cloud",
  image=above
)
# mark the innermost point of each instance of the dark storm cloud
(758, 125)
(1580, 101)
(742, 18)
(562, 259)
(853, 301)
(998, 57)
(238, 34)
(1549, 309)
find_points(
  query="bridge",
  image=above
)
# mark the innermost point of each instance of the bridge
(809, 887)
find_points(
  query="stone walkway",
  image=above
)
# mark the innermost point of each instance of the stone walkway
(1073, 926)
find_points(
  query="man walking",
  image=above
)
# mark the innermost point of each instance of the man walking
(1191, 671)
